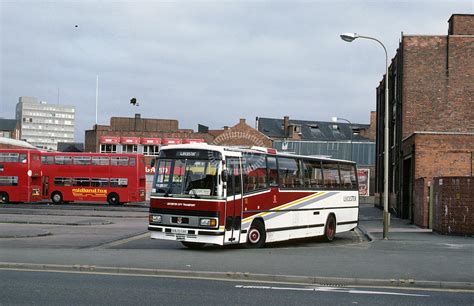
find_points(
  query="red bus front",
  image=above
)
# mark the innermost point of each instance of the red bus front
(20, 176)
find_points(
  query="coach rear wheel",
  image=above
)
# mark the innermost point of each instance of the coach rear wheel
(4, 197)
(330, 229)
(113, 198)
(257, 235)
(57, 197)
(193, 245)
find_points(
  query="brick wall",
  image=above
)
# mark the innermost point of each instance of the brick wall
(437, 83)
(436, 156)
(443, 155)
(424, 84)
(142, 124)
(371, 131)
(458, 108)
(461, 24)
(453, 205)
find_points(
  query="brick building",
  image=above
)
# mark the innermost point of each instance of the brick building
(431, 87)
(140, 135)
(242, 134)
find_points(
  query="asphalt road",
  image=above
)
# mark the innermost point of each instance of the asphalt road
(115, 236)
(101, 226)
(59, 288)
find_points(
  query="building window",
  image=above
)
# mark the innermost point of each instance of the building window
(108, 148)
(151, 150)
(129, 148)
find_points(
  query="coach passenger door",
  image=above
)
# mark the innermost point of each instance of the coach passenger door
(233, 211)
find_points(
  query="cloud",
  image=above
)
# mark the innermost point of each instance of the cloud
(206, 62)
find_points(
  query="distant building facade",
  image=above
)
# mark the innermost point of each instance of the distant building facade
(44, 125)
(140, 135)
(335, 139)
(338, 140)
(431, 111)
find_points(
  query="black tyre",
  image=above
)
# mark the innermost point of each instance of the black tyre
(56, 197)
(113, 199)
(4, 197)
(330, 228)
(257, 235)
(193, 245)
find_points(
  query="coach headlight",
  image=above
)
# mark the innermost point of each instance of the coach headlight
(208, 222)
(155, 219)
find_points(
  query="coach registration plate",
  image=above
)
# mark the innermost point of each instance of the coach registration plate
(179, 231)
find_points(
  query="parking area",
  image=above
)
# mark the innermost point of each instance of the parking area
(103, 226)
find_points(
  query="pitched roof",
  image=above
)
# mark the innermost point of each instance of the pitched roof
(7, 124)
(313, 130)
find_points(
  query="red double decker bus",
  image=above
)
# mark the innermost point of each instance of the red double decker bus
(96, 177)
(20, 175)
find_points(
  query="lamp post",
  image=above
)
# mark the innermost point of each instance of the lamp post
(336, 119)
(349, 37)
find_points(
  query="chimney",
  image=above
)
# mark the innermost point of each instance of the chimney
(242, 121)
(286, 126)
(226, 128)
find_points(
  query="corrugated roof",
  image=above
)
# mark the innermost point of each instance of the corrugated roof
(312, 130)
(15, 142)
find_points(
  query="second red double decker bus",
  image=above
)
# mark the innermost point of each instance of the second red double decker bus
(96, 177)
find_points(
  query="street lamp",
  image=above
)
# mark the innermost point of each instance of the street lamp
(336, 119)
(349, 37)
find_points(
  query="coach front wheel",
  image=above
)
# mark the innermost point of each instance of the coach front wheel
(57, 197)
(113, 198)
(257, 235)
(330, 229)
(4, 197)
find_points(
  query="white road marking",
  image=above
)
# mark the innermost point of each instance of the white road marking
(330, 289)
(122, 241)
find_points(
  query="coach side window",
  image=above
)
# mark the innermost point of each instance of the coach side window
(254, 172)
(272, 171)
(331, 175)
(312, 174)
(289, 173)
(348, 176)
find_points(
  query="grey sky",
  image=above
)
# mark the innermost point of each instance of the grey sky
(209, 62)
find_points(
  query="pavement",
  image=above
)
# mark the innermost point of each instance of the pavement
(411, 257)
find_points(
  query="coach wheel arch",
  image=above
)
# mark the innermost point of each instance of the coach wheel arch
(4, 197)
(113, 198)
(57, 197)
(330, 228)
(257, 234)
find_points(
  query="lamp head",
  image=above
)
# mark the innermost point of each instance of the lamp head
(349, 37)
(334, 119)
